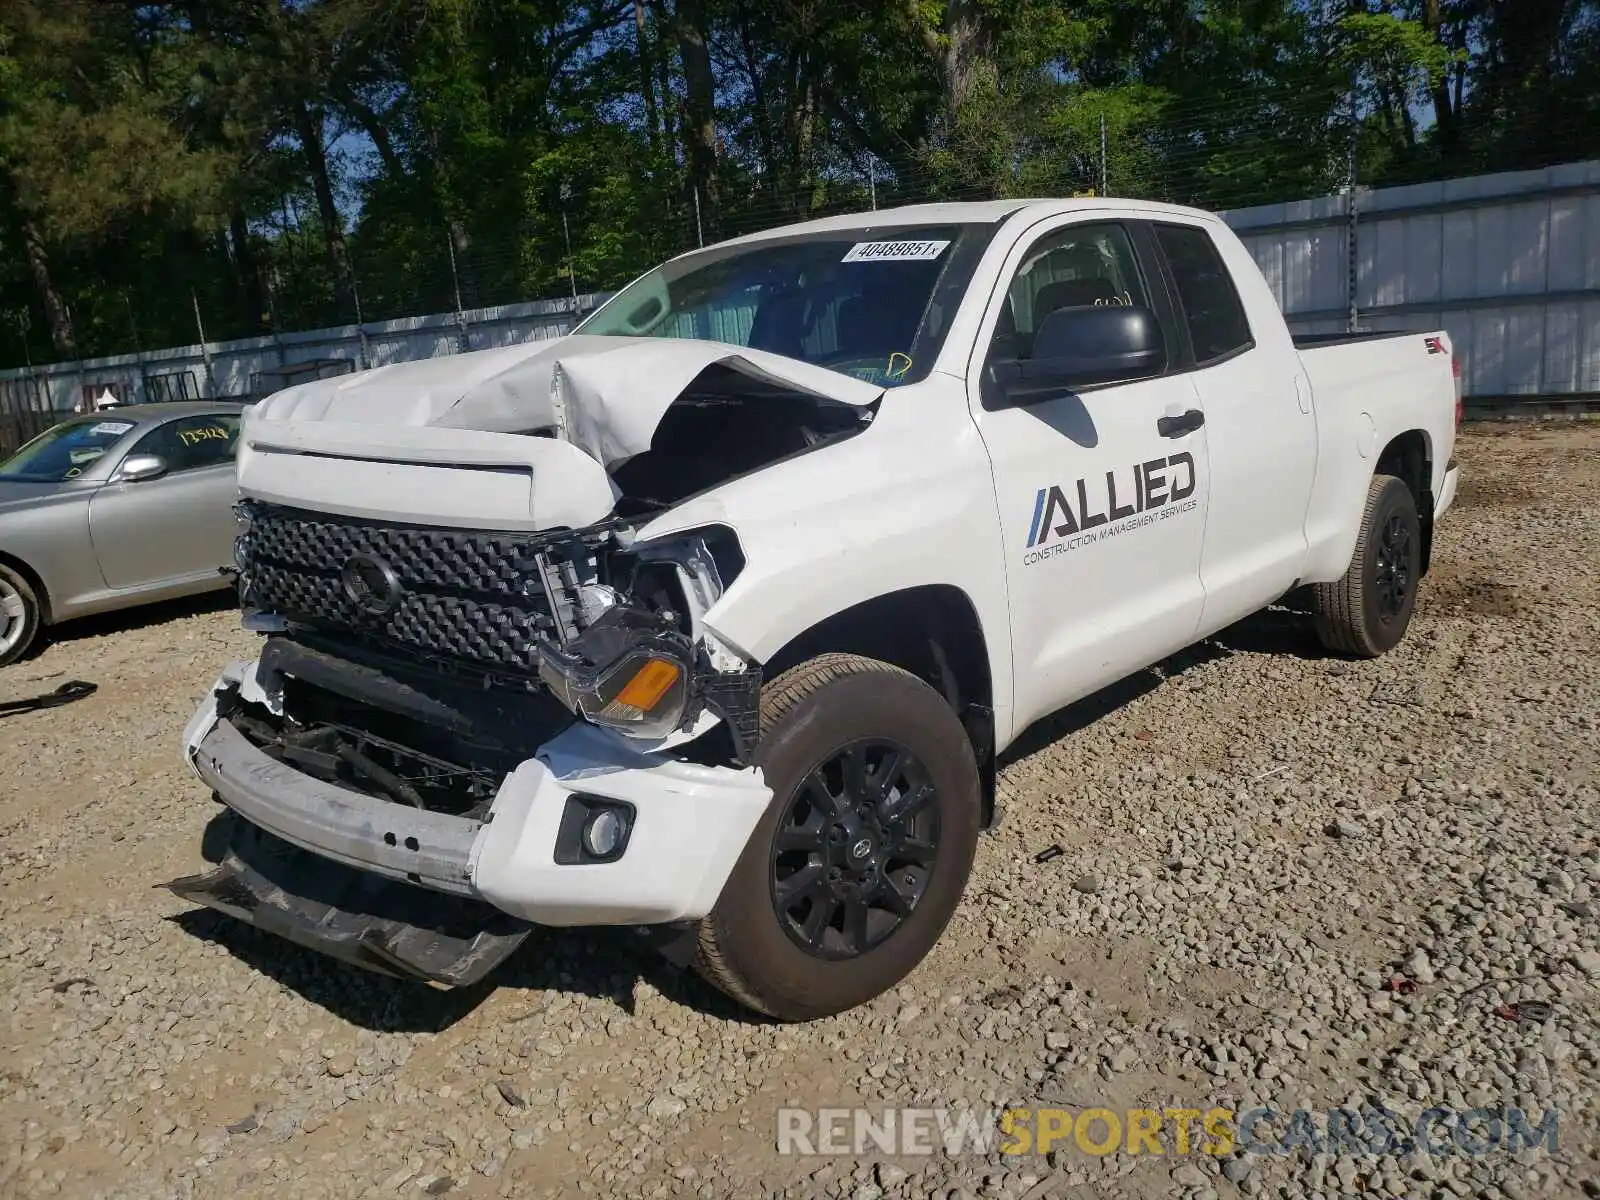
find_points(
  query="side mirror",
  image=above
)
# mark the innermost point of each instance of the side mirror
(137, 468)
(1081, 347)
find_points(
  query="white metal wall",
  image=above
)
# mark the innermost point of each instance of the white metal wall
(1508, 264)
(233, 364)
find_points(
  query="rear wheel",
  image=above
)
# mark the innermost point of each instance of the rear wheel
(1367, 612)
(20, 616)
(863, 854)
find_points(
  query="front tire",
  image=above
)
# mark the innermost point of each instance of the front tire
(20, 616)
(861, 858)
(1367, 612)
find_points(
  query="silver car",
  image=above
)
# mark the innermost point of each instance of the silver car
(124, 507)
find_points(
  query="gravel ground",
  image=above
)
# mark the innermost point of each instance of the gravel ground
(1285, 880)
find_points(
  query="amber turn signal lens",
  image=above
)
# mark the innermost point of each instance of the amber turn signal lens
(649, 683)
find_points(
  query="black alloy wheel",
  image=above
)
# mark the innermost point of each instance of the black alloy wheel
(855, 849)
(862, 853)
(1394, 567)
(1366, 612)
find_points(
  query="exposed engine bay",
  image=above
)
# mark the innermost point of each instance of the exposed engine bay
(725, 425)
(421, 662)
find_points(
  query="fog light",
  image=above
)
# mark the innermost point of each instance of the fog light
(594, 829)
(603, 833)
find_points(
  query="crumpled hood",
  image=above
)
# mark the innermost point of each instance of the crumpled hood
(604, 395)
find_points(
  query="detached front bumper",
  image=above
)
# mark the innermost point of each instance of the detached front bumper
(436, 896)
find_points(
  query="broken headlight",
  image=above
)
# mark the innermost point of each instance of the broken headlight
(630, 671)
(242, 541)
(644, 663)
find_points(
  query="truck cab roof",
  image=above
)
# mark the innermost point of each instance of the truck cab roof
(968, 212)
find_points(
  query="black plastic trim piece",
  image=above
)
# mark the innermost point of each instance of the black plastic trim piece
(1236, 352)
(735, 696)
(363, 684)
(1321, 341)
(379, 925)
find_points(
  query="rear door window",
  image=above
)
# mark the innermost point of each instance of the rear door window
(1211, 305)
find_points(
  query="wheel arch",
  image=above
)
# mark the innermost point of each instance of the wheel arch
(1409, 457)
(35, 581)
(930, 630)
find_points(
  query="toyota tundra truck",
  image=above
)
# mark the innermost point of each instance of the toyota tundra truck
(711, 617)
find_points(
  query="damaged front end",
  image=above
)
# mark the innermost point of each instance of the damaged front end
(484, 701)
(612, 629)
(452, 735)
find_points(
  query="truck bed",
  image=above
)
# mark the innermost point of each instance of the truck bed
(1350, 372)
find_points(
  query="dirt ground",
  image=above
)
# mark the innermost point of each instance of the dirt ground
(1284, 879)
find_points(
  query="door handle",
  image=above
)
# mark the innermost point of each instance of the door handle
(1178, 426)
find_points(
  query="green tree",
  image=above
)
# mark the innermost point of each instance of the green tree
(291, 163)
(90, 141)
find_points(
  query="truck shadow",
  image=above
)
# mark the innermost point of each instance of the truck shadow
(1283, 629)
(603, 963)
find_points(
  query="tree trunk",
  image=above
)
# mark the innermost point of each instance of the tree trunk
(700, 124)
(761, 117)
(55, 309)
(309, 129)
(466, 277)
(965, 47)
(251, 300)
(647, 87)
(804, 127)
(1444, 113)
(664, 85)
(372, 125)
(1386, 108)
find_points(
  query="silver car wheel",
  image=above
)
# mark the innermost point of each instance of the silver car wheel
(13, 617)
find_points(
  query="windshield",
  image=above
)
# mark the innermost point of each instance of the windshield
(66, 451)
(873, 303)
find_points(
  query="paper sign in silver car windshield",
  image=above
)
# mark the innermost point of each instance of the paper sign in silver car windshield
(894, 251)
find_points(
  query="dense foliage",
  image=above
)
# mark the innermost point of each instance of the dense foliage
(283, 164)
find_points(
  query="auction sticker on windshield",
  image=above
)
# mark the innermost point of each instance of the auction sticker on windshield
(112, 428)
(894, 251)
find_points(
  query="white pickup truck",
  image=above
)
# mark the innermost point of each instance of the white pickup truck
(712, 616)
